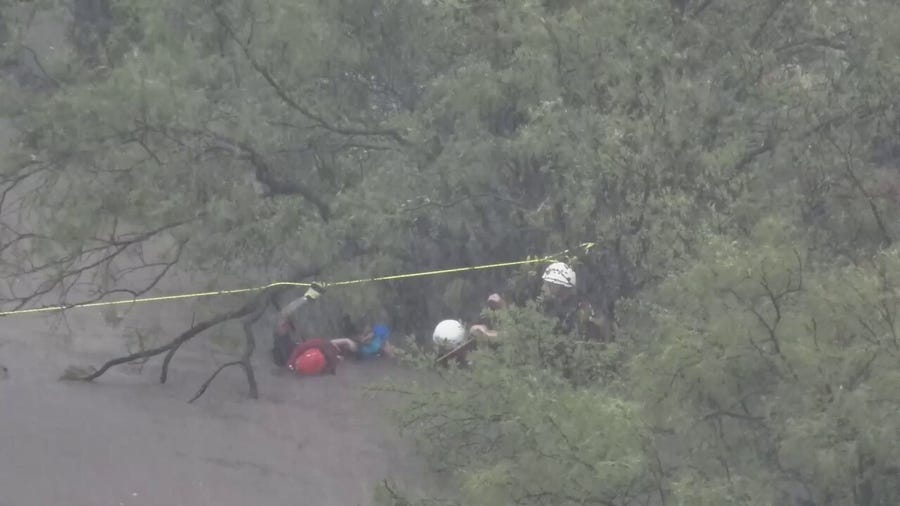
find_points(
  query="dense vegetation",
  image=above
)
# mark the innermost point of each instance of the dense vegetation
(735, 164)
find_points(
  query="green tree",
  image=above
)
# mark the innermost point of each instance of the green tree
(744, 139)
(729, 160)
(767, 368)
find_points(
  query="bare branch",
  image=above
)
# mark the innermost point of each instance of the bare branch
(287, 99)
(767, 146)
(829, 43)
(178, 341)
(262, 170)
(263, 173)
(774, 7)
(40, 66)
(851, 173)
(211, 378)
(700, 8)
(244, 362)
(73, 265)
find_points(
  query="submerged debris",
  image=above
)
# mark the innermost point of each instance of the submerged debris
(77, 373)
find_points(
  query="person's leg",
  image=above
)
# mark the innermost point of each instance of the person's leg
(282, 347)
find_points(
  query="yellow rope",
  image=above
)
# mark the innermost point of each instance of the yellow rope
(163, 298)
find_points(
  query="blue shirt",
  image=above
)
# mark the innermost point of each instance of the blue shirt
(380, 334)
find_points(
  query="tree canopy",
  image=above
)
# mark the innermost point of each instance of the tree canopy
(734, 163)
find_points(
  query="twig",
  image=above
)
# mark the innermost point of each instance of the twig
(211, 378)
(40, 66)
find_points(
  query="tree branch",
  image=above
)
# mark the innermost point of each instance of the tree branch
(244, 362)
(178, 341)
(848, 165)
(263, 172)
(700, 8)
(282, 93)
(774, 7)
(40, 66)
(211, 378)
(71, 271)
(753, 154)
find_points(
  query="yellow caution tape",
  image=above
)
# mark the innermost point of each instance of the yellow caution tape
(161, 298)
(435, 273)
(164, 298)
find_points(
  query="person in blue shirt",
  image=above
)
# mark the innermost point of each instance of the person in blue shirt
(369, 341)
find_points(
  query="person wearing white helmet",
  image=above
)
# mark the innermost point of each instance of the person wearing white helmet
(451, 342)
(556, 299)
(558, 288)
(558, 285)
(449, 334)
(559, 274)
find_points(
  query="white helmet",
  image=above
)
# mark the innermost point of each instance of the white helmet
(559, 274)
(449, 333)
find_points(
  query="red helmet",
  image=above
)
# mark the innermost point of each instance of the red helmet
(311, 361)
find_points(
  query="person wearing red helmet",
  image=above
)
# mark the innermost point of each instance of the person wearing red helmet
(309, 357)
(310, 362)
(314, 356)
(284, 338)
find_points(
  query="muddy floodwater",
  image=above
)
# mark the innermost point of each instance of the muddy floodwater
(127, 440)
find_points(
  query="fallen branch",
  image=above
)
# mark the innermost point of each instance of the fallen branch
(164, 372)
(178, 341)
(244, 362)
(250, 312)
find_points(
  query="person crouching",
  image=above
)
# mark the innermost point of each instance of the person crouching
(365, 341)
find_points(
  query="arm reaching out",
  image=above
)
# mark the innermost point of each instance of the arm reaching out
(312, 293)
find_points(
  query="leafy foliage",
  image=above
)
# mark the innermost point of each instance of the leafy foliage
(734, 163)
